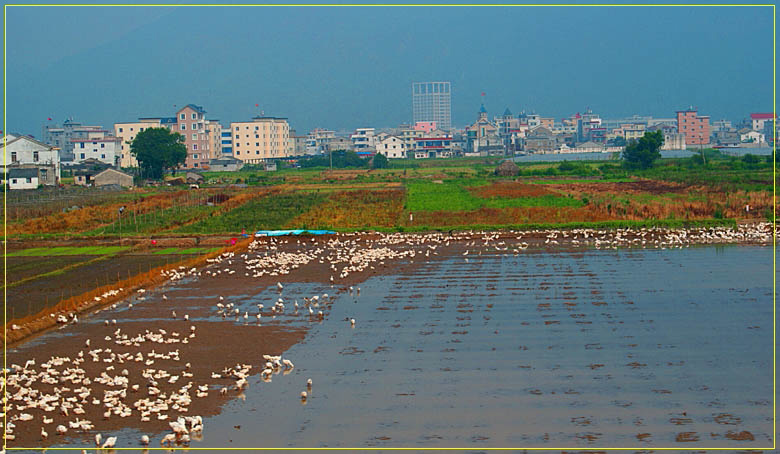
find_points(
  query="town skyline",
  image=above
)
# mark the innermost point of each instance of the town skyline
(528, 59)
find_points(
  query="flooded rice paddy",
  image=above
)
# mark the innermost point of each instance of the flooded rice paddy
(570, 349)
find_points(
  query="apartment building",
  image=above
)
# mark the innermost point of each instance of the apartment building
(261, 138)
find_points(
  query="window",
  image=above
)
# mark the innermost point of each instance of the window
(141, 129)
(81, 145)
(183, 126)
(195, 156)
(238, 152)
(35, 156)
(257, 144)
(131, 129)
(14, 180)
(120, 129)
(194, 146)
(237, 128)
(195, 165)
(83, 155)
(29, 179)
(102, 156)
(102, 145)
(13, 157)
(194, 126)
(182, 117)
(194, 137)
(194, 116)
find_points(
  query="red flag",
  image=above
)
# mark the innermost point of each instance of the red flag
(257, 105)
(483, 93)
(49, 118)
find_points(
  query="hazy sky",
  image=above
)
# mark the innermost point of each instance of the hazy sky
(349, 67)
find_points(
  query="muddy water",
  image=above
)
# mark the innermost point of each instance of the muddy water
(638, 349)
(635, 349)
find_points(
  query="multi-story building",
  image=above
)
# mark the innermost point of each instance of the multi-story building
(435, 144)
(104, 149)
(407, 134)
(719, 125)
(214, 137)
(260, 139)
(363, 140)
(588, 122)
(60, 136)
(226, 142)
(298, 143)
(391, 146)
(760, 119)
(339, 144)
(431, 101)
(510, 130)
(191, 123)
(23, 152)
(629, 131)
(317, 141)
(695, 128)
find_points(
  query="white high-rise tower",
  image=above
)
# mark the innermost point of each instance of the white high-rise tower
(431, 102)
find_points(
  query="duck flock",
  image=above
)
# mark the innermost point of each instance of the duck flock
(53, 396)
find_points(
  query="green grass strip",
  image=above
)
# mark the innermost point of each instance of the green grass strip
(52, 251)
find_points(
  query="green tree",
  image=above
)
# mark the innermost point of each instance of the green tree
(640, 154)
(157, 149)
(380, 161)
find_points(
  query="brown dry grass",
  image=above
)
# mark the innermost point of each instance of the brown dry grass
(356, 209)
(92, 217)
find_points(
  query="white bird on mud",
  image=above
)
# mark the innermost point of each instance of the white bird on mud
(304, 395)
(110, 442)
(61, 429)
(165, 297)
(44, 435)
(97, 439)
(173, 314)
(168, 439)
(279, 284)
(145, 440)
(308, 384)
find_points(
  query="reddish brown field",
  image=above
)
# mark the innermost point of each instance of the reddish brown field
(514, 190)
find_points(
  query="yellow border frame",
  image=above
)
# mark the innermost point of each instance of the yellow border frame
(474, 448)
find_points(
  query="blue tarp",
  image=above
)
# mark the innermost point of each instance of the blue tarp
(293, 232)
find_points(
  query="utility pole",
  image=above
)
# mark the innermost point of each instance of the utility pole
(121, 210)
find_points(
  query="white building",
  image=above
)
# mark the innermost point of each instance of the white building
(363, 139)
(24, 151)
(391, 147)
(106, 149)
(23, 178)
(752, 137)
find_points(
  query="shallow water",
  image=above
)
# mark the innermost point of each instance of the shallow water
(585, 349)
(578, 349)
